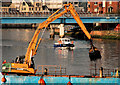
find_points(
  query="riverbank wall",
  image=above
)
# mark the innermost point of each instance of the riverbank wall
(19, 26)
(106, 34)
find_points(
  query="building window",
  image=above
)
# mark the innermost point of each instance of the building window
(100, 12)
(43, 7)
(30, 9)
(95, 10)
(37, 4)
(110, 9)
(39, 9)
(71, 2)
(64, 2)
(100, 5)
(95, 3)
(110, 2)
(104, 3)
(80, 2)
(23, 3)
(75, 2)
(22, 8)
(36, 8)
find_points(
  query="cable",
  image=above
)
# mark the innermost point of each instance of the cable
(43, 32)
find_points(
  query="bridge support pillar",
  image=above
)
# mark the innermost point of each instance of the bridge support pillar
(61, 34)
(33, 25)
(97, 26)
(52, 32)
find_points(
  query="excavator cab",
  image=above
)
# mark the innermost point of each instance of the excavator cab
(18, 67)
(20, 59)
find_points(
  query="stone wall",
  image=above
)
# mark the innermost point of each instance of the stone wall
(102, 33)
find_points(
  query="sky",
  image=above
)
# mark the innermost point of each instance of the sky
(46, 0)
(63, 0)
(76, 0)
(90, 0)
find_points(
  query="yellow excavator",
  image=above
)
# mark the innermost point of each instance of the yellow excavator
(24, 64)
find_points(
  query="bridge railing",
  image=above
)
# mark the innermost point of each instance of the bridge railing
(3, 14)
(51, 69)
(106, 72)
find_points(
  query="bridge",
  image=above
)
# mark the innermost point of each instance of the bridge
(91, 18)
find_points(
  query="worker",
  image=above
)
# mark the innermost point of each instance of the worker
(101, 72)
(60, 42)
(71, 42)
(45, 71)
(4, 62)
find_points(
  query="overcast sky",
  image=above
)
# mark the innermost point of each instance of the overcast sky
(76, 0)
(63, 0)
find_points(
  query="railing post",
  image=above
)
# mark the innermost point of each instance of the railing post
(95, 70)
(101, 72)
(90, 71)
(42, 69)
(55, 70)
(60, 70)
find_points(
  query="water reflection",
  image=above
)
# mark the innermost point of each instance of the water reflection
(110, 52)
(76, 62)
(18, 34)
(62, 53)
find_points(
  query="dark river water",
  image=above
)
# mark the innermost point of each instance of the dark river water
(76, 62)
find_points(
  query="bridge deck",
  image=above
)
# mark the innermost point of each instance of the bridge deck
(18, 20)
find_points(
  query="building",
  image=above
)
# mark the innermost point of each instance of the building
(5, 5)
(103, 7)
(35, 6)
(13, 7)
(26, 7)
(80, 6)
(53, 5)
(42, 5)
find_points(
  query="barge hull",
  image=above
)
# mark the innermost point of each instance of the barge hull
(10, 79)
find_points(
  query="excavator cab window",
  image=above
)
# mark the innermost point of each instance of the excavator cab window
(32, 63)
(20, 59)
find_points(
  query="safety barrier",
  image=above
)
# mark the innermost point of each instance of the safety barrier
(105, 72)
(51, 70)
(40, 14)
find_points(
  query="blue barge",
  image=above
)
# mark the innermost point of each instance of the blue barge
(12, 79)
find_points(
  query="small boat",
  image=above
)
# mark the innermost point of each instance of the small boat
(64, 43)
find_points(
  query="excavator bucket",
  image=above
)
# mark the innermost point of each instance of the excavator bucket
(94, 54)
